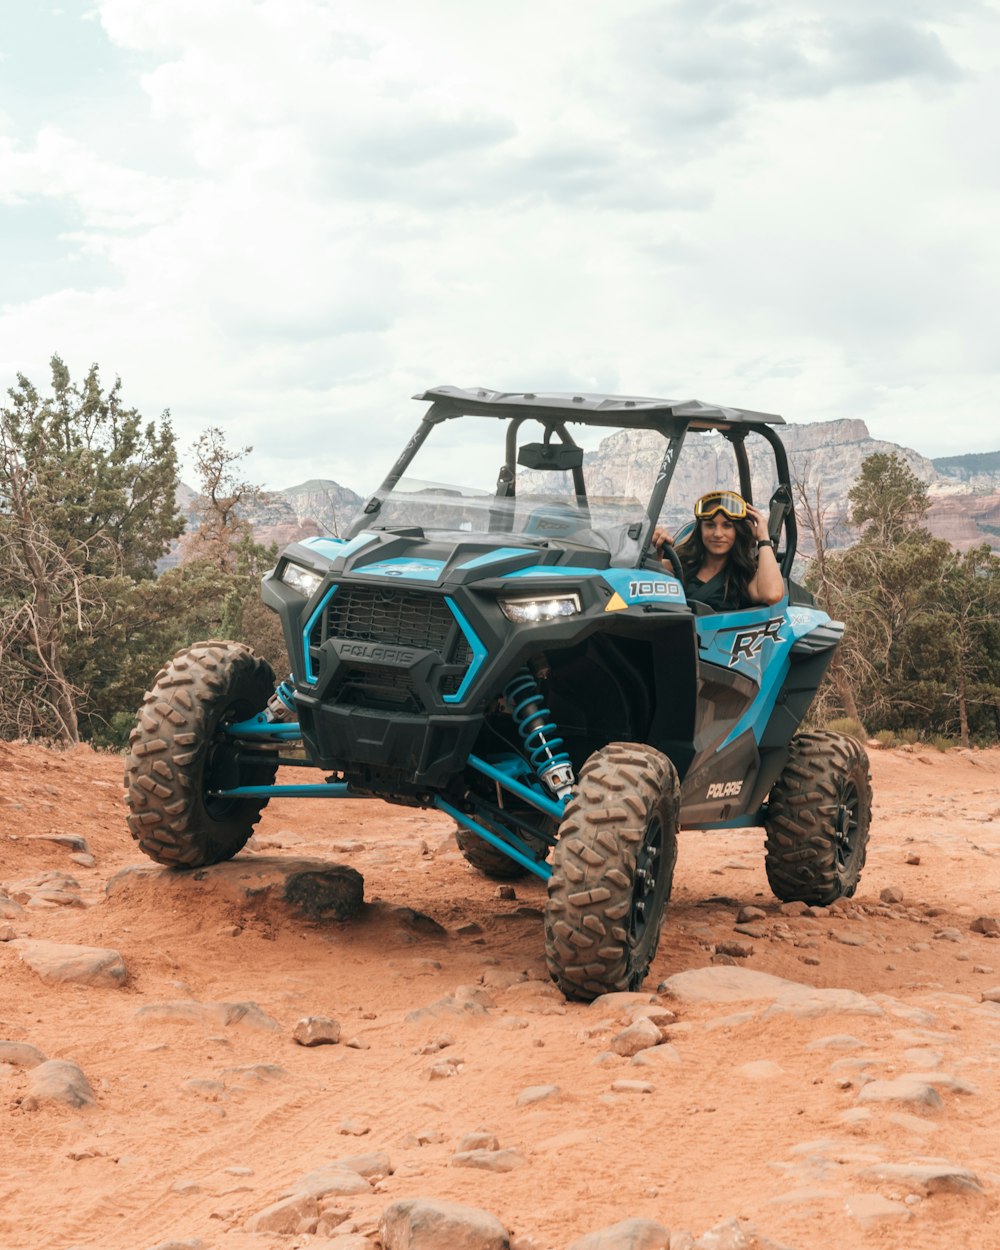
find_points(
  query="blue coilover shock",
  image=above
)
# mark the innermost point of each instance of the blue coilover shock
(281, 705)
(531, 716)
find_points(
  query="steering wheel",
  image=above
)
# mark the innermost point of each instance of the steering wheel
(668, 552)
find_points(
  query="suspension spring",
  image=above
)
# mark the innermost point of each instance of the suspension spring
(281, 705)
(539, 734)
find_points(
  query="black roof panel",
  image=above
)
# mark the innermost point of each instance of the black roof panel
(630, 411)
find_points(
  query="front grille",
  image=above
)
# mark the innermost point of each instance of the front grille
(394, 617)
(385, 689)
(403, 617)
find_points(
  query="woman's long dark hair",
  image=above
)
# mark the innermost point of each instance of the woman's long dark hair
(741, 564)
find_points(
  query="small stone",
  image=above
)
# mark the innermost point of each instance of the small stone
(904, 1089)
(729, 1235)
(441, 1071)
(891, 894)
(298, 1213)
(351, 1128)
(736, 950)
(505, 891)
(631, 1087)
(836, 1041)
(373, 1163)
(753, 929)
(357, 1043)
(316, 1031)
(656, 1055)
(872, 1209)
(948, 935)
(489, 1160)
(20, 1054)
(58, 1080)
(935, 1178)
(983, 969)
(913, 858)
(750, 913)
(987, 996)
(9, 909)
(538, 1093)
(634, 1234)
(795, 909)
(7, 932)
(640, 1035)
(478, 1141)
(58, 962)
(852, 939)
(989, 926)
(429, 1224)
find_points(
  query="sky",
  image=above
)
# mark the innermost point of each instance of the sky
(285, 218)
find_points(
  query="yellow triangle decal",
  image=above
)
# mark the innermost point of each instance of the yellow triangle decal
(615, 604)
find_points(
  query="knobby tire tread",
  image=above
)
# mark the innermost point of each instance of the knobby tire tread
(801, 857)
(170, 747)
(588, 948)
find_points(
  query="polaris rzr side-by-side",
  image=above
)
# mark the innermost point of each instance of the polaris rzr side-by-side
(518, 657)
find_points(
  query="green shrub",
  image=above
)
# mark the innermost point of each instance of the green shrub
(847, 725)
(886, 737)
(113, 735)
(910, 737)
(942, 742)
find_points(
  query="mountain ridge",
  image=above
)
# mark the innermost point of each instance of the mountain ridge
(824, 457)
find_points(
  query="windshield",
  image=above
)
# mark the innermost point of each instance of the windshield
(463, 510)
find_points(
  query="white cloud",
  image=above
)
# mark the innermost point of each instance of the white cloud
(324, 207)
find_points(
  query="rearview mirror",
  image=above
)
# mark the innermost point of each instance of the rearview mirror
(550, 456)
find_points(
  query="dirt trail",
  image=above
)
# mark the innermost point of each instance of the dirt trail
(751, 1108)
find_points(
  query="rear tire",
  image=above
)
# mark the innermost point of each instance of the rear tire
(612, 871)
(178, 753)
(485, 857)
(817, 820)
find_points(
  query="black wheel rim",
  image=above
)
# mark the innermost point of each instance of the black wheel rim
(846, 828)
(224, 769)
(643, 915)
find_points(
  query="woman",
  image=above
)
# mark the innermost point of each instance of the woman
(728, 560)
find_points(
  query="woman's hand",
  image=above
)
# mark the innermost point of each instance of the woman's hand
(758, 520)
(661, 536)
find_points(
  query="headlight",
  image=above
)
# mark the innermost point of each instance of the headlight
(304, 580)
(550, 608)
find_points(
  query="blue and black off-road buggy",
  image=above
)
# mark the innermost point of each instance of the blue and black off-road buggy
(517, 657)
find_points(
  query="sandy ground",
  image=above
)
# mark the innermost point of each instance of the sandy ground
(753, 1109)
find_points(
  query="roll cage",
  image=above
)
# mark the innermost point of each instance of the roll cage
(554, 411)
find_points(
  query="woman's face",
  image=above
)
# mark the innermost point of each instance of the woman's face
(718, 534)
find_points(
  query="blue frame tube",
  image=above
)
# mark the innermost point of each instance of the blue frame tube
(542, 870)
(551, 807)
(258, 727)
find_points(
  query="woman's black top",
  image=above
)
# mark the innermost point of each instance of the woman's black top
(713, 592)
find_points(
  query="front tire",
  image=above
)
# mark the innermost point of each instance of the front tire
(612, 871)
(178, 754)
(817, 820)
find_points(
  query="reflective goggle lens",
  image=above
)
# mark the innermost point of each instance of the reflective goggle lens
(733, 505)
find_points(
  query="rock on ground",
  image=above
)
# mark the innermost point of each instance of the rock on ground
(429, 1224)
(56, 962)
(626, 1235)
(58, 1080)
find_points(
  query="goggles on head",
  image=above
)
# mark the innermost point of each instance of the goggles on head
(727, 501)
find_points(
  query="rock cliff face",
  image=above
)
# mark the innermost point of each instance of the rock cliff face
(304, 511)
(825, 457)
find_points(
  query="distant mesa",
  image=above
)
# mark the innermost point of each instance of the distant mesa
(826, 455)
